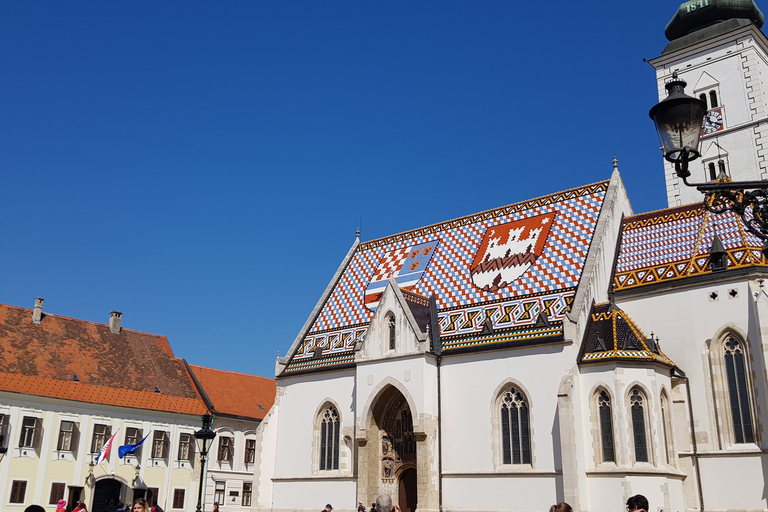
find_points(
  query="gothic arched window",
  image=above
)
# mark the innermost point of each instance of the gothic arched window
(666, 425)
(606, 426)
(515, 428)
(329, 439)
(391, 330)
(738, 391)
(637, 408)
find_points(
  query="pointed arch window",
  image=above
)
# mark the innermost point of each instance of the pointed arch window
(637, 408)
(666, 425)
(391, 330)
(329, 439)
(606, 426)
(738, 392)
(515, 428)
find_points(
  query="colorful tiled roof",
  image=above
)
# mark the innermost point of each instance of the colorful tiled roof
(674, 243)
(611, 335)
(509, 264)
(236, 394)
(112, 369)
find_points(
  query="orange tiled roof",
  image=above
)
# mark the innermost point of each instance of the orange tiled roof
(113, 369)
(237, 394)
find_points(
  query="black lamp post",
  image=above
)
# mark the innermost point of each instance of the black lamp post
(204, 438)
(678, 119)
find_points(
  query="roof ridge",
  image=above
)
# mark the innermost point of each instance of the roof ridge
(367, 244)
(82, 320)
(231, 371)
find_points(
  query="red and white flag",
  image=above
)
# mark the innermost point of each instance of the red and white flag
(106, 448)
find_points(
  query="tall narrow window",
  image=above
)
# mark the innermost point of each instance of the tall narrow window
(712, 99)
(30, 428)
(329, 439)
(67, 436)
(721, 167)
(247, 492)
(18, 491)
(391, 326)
(606, 426)
(133, 436)
(57, 492)
(637, 404)
(738, 392)
(703, 97)
(178, 498)
(100, 435)
(160, 444)
(218, 493)
(515, 432)
(4, 430)
(250, 451)
(185, 447)
(226, 448)
(712, 171)
(666, 425)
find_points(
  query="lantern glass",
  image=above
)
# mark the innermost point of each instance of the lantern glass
(678, 119)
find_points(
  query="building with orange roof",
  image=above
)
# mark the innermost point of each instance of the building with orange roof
(239, 402)
(66, 387)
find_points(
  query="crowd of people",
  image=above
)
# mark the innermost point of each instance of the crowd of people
(636, 503)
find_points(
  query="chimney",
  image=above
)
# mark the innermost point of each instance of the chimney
(37, 313)
(114, 321)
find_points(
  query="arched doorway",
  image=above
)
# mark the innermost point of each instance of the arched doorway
(106, 495)
(407, 490)
(388, 461)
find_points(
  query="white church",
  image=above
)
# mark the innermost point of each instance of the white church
(559, 349)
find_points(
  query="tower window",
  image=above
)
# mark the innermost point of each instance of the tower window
(391, 326)
(738, 393)
(712, 99)
(712, 171)
(703, 97)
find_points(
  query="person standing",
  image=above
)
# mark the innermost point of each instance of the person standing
(360, 507)
(384, 503)
(638, 503)
(61, 506)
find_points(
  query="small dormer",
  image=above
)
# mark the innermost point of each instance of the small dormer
(399, 327)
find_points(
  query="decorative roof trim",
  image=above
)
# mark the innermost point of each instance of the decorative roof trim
(489, 214)
(282, 362)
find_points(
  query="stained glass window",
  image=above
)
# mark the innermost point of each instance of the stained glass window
(515, 430)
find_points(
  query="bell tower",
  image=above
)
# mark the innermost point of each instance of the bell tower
(717, 47)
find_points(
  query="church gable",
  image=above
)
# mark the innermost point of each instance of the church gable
(506, 275)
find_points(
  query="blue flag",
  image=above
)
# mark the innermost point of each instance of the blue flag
(128, 449)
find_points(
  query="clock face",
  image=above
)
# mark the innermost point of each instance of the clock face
(713, 121)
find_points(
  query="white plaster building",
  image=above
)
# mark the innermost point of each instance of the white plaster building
(558, 349)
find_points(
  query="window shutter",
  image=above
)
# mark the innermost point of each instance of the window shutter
(75, 436)
(38, 435)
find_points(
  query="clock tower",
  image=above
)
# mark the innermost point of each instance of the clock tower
(717, 47)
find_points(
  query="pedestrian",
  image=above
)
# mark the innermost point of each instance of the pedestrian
(61, 506)
(140, 505)
(216, 507)
(384, 503)
(373, 507)
(328, 508)
(360, 507)
(121, 507)
(561, 507)
(80, 507)
(637, 502)
(34, 508)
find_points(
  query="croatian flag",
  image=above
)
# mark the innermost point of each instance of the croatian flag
(105, 449)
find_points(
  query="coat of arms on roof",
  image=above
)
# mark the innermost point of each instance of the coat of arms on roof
(508, 251)
(407, 265)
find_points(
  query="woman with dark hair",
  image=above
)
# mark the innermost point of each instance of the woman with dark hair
(561, 507)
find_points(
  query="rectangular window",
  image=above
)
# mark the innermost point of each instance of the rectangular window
(18, 490)
(247, 489)
(133, 436)
(185, 447)
(100, 435)
(250, 451)
(226, 448)
(67, 436)
(30, 432)
(160, 445)
(4, 430)
(218, 495)
(178, 498)
(151, 496)
(57, 492)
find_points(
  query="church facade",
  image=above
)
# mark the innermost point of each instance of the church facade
(557, 349)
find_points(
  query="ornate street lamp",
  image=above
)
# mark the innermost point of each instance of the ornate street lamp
(204, 438)
(678, 119)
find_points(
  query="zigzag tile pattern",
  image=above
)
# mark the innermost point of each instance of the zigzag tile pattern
(549, 284)
(674, 243)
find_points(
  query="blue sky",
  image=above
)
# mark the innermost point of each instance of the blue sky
(203, 166)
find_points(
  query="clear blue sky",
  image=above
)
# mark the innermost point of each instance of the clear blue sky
(202, 166)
